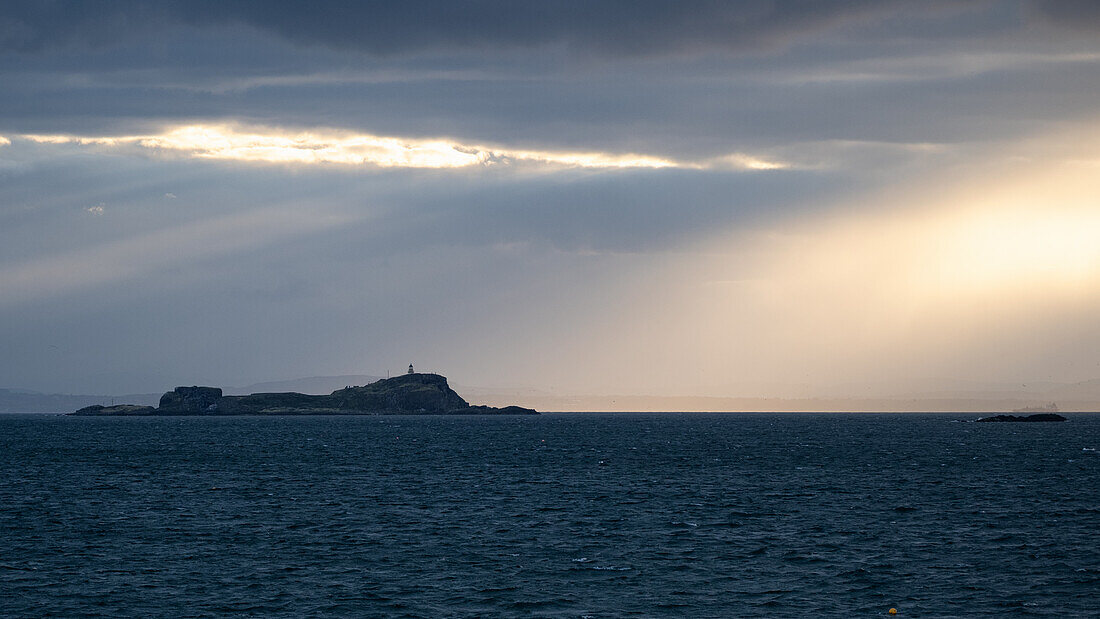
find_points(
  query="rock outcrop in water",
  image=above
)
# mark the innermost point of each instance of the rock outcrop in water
(119, 410)
(1024, 418)
(408, 394)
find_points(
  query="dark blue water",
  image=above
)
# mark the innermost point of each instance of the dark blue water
(685, 515)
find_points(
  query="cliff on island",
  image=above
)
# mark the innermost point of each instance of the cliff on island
(408, 394)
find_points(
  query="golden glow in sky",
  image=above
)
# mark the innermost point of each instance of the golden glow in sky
(951, 280)
(946, 270)
(273, 145)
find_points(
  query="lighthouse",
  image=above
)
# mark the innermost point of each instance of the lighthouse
(411, 369)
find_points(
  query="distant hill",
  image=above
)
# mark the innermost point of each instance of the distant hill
(642, 404)
(957, 396)
(314, 385)
(22, 401)
(26, 401)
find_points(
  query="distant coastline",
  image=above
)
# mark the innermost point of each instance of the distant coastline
(408, 394)
(1070, 397)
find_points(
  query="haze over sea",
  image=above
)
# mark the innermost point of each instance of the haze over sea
(561, 515)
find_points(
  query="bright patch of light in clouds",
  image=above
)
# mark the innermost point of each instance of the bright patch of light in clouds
(272, 145)
(225, 142)
(741, 161)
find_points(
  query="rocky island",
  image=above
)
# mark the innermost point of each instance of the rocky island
(1024, 418)
(408, 394)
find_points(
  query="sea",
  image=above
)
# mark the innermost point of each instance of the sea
(558, 515)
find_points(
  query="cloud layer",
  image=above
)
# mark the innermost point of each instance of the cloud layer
(614, 27)
(601, 196)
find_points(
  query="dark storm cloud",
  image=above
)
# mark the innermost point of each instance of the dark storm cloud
(506, 72)
(616, 27)
(678, 116)
(611, 27)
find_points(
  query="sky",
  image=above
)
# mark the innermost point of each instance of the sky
(750, 198)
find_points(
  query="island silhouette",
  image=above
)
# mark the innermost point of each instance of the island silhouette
(408, 394)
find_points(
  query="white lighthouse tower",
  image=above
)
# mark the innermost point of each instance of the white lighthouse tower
(411, 369)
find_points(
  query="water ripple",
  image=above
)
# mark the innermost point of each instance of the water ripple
(688, 515)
